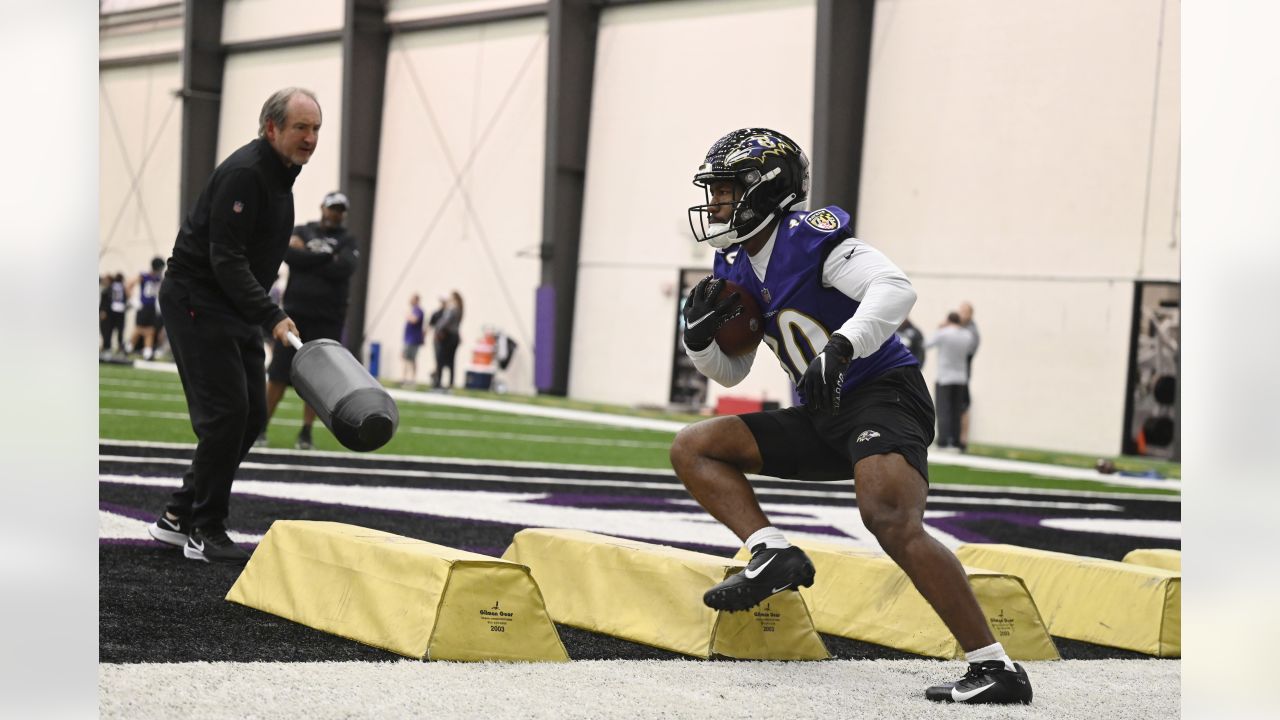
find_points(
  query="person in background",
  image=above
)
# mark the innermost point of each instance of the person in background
(111, 311)
(147, 320)
(966, 321)
(413, 337)
(446, 340)
(214, 302)
(954, 342)
(104, 306)
(322, 256)
(911, 336)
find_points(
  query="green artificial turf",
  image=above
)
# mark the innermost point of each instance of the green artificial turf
(148, 405)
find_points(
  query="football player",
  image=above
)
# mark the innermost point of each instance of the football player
(831, 304)
(147, 321)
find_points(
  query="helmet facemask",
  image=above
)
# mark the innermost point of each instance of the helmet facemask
(744, 221)
(772, 173)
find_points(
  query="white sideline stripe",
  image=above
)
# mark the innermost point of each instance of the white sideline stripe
(157, 365)
(119, 382)
(553, 439)
(773, 492)
(112, 526)
(978, 462)
(636, 423)
(412, 413)
(440, 432)
(1162, 529)
(1045, 470)
(348, 457)
(430, 398)
(352, 457)
(621, 689)
(126, 395)
(159, 415)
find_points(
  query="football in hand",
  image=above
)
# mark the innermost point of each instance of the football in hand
(742, 334)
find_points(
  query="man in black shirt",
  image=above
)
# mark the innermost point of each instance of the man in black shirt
(322, 256)
(214, 300)
(911, 336)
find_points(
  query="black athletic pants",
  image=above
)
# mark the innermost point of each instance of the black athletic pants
(950, 407)
(220, 360)
(112, 325)
(446, 352)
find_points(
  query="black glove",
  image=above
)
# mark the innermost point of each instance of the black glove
(703, 316)
(824, 378)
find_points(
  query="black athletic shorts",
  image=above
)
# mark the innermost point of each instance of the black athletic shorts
(309, 329)
(891, 414)
(147, 317)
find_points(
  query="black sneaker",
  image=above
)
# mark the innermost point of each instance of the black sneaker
(770, 571)
(986, 682)
(170, 532)
(213, 546)
(304, 439)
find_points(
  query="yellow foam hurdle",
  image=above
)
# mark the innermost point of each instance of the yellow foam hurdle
(1099, 601)
(652, 594)
(1162, 558)
(410, 597)
(863, 595)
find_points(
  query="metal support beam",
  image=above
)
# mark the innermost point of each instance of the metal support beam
(283, 42)
(202, 65)
(365, 40)
(572, 28)
(841, 72)
(519, 12)
(139, 60)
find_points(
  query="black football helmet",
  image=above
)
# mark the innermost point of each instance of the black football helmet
(773, 173)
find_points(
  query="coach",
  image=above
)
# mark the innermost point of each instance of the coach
(214, 300)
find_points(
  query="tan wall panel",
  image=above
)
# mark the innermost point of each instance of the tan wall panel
(1014, 137)
(145, 39)
(250, 78)
(1161, 253)
(259, 19)
(470, 101)
(1050, 371)
(139, 136)
(651, 124)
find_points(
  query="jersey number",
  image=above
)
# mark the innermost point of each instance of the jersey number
(802, 339)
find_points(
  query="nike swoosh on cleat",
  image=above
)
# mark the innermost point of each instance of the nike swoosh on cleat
(751, 574)
(198, 547)
(784, 587)
(966, 696)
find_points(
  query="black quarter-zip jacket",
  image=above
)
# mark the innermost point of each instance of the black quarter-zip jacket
(230, 245)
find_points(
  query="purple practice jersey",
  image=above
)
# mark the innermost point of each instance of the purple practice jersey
(799, 312)
(150, 288)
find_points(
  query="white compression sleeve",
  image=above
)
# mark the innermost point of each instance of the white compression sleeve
(712, 362)
(884, 293)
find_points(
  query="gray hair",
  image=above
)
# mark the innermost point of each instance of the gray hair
(274, 109)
